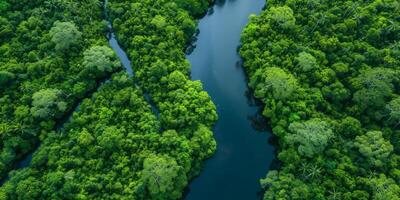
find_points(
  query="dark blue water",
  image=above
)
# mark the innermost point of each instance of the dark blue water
(243, 155)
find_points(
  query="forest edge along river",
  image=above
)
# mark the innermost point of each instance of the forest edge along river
(243, 154)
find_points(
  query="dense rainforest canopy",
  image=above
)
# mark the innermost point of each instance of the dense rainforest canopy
(326, 71)
(114, 146)
(328, 74)
(42, 71)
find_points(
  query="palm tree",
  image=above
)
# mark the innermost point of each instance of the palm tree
(334, 194)
(310, 171)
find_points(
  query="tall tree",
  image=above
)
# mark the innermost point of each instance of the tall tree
(99, 60)
(374, 147)
(64, 35)
(163, 177)
(47, 103)
(275, 81)
(282, 16)
(312, 136)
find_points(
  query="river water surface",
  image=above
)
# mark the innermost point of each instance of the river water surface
(243, 154)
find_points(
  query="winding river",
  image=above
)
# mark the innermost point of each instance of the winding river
(243, 155)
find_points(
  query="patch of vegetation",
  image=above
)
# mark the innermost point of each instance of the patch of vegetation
(328, 74)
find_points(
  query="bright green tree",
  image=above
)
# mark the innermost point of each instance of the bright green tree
(47, 103)
(384, 188)
(163, 177)
(100, 59)
(282, 16)
(374, 147)
(394, 110)
(159, 21)
(64, 35)
(203, 142)
(312, 136)
(275, 81)
(306, 62)
(284, 186)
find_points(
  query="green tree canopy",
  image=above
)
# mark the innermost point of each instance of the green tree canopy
(374, 147)
(374, 87)
(162, 177)
(159, 21)
(4, 5)
(5, 79)
(284, 186)
(312, 136)
(306, 62)
(275, 81)
(345, 58)
(100, 59)
(384, 188)
(394, 110)
(64, 35)
(47, 103)
(282, 16)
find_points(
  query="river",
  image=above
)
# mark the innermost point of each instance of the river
(243, 154)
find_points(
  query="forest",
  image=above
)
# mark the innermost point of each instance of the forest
(64, 93)
(328, 75)
(42, 75)
(75, 125)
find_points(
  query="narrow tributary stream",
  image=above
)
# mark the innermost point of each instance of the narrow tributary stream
(243, 154)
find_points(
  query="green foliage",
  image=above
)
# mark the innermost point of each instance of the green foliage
(38, 84)
(394, 110)
(339, 128)
(284, 187)
(100, 60)
(162, 176)
(187, 104)
(282, 16)
(312, 136)
(276, 81)
(6, 79)
(159, 21)
(47, 103)
(114, 137)
(195, 7)
(155, 43)
(374, 87)
(64, 35)
(130, 138)
(384, 188)
(203, 142)
(4, 5)
(374, 147)
(306, 62)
